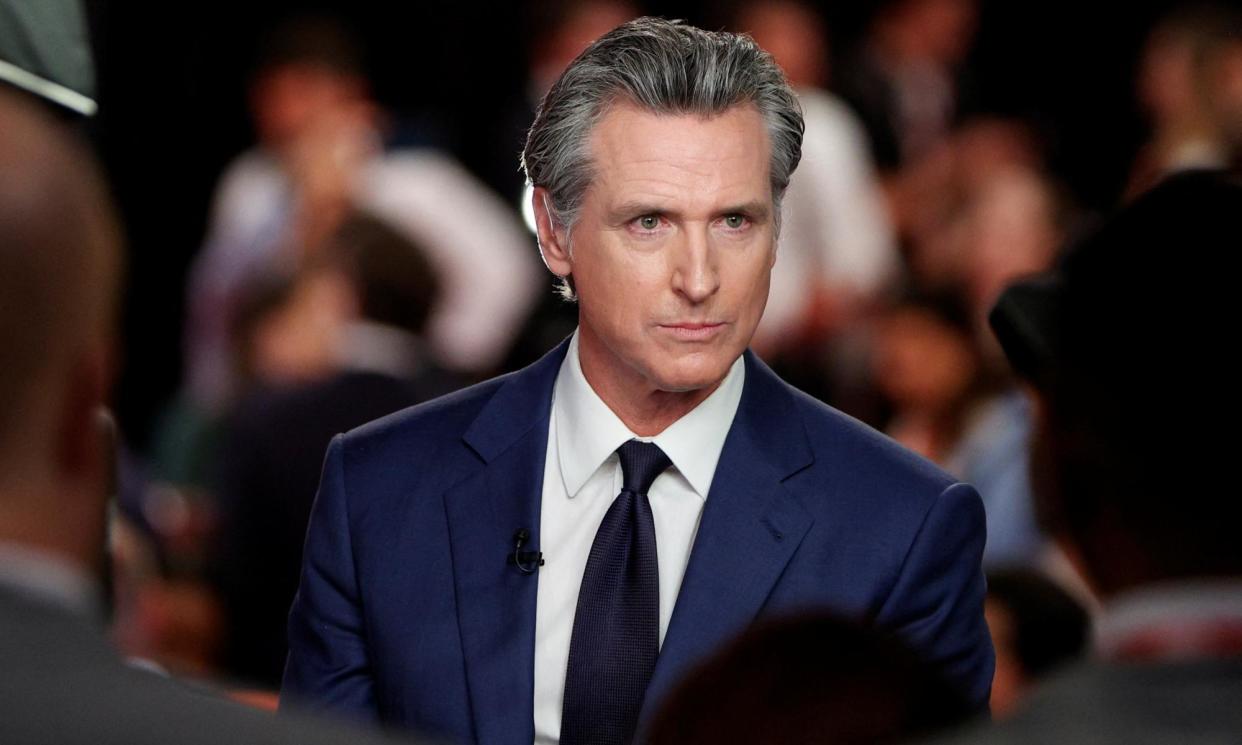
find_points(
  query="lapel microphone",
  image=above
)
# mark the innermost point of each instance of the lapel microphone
(527, 562)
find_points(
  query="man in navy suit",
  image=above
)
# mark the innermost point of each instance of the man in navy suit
(540, 557)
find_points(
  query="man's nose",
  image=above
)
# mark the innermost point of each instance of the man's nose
(695, 274)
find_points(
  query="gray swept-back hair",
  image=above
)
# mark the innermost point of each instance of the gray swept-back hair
(665, 67)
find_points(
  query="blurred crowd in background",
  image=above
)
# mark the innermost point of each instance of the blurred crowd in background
(368, 250)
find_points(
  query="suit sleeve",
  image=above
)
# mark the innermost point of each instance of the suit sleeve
(937, 601)
(328, 666)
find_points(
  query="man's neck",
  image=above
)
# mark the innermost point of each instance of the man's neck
(644, 409)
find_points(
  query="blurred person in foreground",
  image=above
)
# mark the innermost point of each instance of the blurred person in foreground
(815, 680)
(502, 564)
(1128, 347)
(60, 265)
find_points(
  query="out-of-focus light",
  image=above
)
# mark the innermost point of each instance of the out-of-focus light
(527, 209)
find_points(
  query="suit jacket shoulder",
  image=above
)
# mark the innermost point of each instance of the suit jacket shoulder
(886, 536)
(479, 421)
(862, 480)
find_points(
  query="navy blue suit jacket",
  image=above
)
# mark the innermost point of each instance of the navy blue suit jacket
(409, 614)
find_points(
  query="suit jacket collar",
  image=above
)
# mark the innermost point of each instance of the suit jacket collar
(522, 401)
(750, 528)
(769, 414)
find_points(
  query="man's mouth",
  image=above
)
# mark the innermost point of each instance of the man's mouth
(694, 331)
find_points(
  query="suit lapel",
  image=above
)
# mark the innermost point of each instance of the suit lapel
(750, 528)
(495, 601)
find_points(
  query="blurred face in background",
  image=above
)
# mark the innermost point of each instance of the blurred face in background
(672, 249)
(937, 30)
(921, 362)
(287, 99)
(794, 36)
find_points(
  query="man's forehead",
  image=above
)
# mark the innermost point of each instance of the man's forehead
(623, 116)
(730, 150)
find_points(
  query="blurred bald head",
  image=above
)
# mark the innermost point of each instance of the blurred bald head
(59, 267)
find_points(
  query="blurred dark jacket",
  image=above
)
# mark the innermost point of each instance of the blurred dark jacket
(63, 685)
(1187, 702)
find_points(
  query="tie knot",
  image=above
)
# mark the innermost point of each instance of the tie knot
(641, 462)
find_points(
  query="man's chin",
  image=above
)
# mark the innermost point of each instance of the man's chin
(694, 377)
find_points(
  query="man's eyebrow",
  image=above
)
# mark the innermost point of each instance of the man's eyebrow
(758, 209)
(634, 208)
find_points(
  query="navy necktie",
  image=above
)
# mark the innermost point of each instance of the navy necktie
(616, 636)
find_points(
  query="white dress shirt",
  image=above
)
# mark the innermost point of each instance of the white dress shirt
(582, 475)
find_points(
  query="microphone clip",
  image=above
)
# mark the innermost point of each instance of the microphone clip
(527, 562)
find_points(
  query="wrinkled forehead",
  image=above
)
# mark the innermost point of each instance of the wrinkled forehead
(726, 153)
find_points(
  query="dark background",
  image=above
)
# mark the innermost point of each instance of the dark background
(172, 98)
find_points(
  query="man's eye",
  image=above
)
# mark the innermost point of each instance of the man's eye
(735, 222)
(649, 222)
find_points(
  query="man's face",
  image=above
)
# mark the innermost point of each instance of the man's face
(673, 248)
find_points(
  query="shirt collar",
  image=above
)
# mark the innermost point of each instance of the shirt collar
(588, 432)
(48, 577)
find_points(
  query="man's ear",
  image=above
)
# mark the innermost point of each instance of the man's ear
(553, 238)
